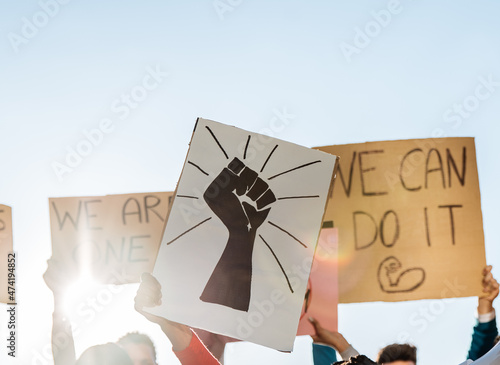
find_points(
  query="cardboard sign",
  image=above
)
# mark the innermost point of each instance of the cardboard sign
(320, 300)
(240, 237)
(115, 238)
(6, 247)
(409, 219)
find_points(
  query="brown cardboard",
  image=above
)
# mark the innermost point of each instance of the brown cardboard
(423, 195)
(114, 237)
(6, 248)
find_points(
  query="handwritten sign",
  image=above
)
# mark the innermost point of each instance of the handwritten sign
(241, 234)
(114, 237)
(6, 246)
(409, 219)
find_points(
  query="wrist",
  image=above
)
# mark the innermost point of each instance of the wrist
(486, 317)
(180, 336)
(484, 306)
(58, 306)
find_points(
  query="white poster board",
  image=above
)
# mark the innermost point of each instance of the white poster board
(239, 240)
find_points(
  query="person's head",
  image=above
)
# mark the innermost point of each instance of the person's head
(107, 354)
(358, 360)
(397, 354)
(139, 347)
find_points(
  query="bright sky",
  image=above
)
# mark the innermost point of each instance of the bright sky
(348, 71)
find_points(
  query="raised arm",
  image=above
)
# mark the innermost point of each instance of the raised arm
(485, 330)
(333, 339)
(186, 345)
(58, 280)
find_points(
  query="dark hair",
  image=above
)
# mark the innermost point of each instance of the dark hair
(137, 338)
(497, 340)
(397, 352)
(107, 354)
(359, 360)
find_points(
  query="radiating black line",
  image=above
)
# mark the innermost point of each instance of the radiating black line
(198, 167)
(216, 140)
(298, 197)
(246, 147)
(288, 233)
(268, 157)
(187, 196)
(295, 168)
(279, 263)
(190, 229)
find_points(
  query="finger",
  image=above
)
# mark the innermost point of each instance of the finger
(495, 286)
(149, 292)
(487, 277)
(258, 188)
(144, 301)
(490, 285)
(148, 296)
(236, 165)
(266, 199)
(246, 181)
(225, 181)
(150, 280)
(315, 323)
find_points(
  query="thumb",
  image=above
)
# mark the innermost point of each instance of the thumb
(315, 323)
(315, 338)
(150, 317)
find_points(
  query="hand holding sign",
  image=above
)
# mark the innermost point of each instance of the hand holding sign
(149, 295)
(230, 282)
(490, 292)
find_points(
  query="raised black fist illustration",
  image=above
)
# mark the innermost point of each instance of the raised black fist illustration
(239, 198)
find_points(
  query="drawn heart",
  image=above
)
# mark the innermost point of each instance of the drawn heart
(393, 279)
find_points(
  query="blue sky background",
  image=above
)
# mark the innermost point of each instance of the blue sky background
(237, 67)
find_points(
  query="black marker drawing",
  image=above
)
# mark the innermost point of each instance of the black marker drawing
(230, 282)
(190, 229)
(393, 279)
(218, 143)
(198, 167)
(242, 201)
(295, 168)
(268, 157)
(298, 197)
(307, 299)
(186, 196)
(279, 263)
(246, 148)
(288, 233)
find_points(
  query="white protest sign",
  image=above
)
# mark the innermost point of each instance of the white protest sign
(240, 238)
